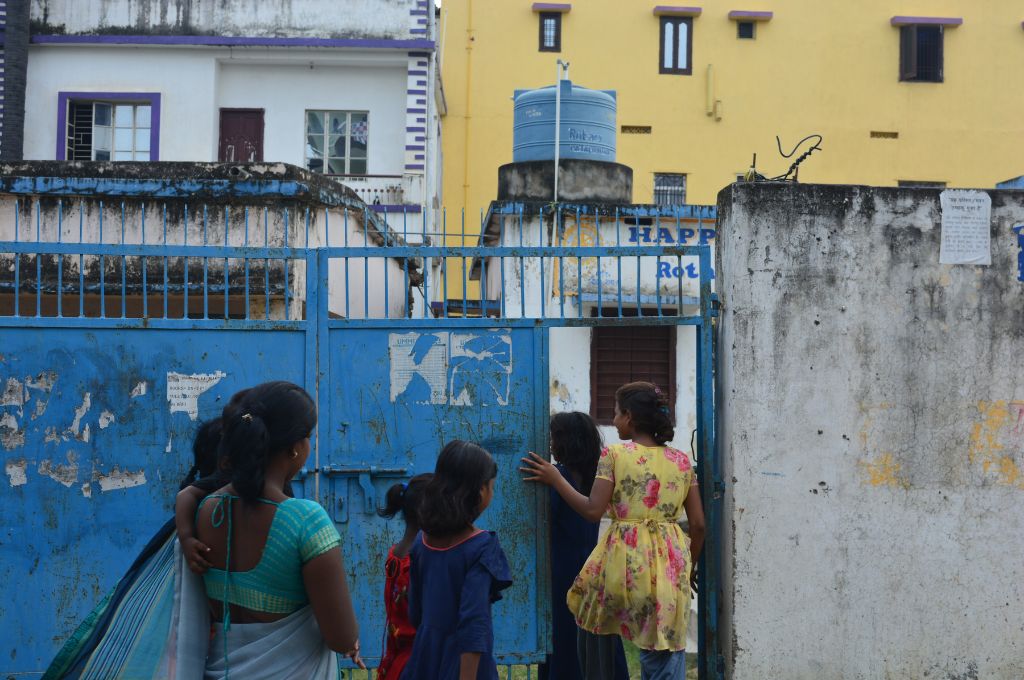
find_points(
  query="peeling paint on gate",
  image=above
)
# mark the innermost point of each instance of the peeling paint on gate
(184, 390)
(15, 470)
(63, 473)
(120, 479)
(80, 413)
(16, 394)
(411, 391)
(85, 421)
(459, 369)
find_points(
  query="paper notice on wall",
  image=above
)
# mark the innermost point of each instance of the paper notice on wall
(183, 390)
(966, 230)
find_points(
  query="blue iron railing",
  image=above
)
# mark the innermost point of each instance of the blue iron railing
(95, 262)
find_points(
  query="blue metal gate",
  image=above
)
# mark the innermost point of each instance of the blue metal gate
(111, 353)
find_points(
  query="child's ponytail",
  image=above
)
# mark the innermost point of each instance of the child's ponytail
(204, 451)
(394, 500)
(649, 409)
(247, 434)
(405, 498)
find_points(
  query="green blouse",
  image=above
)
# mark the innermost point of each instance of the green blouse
(300, 531)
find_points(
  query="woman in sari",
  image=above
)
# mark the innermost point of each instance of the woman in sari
(156, 591)
(277, 594)
(276, 589)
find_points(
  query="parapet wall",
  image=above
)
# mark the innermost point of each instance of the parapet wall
(871, 407)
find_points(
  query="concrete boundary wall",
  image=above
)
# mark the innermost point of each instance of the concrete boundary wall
(871, 425)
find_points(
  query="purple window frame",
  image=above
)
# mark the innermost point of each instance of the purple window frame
(151, 98)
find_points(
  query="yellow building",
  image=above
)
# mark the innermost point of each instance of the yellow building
(911, 91)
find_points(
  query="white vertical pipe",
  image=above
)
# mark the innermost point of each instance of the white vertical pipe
(560, 66)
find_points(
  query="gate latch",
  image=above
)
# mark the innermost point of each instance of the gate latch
(365, 476)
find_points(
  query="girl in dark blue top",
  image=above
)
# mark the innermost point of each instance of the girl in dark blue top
(456, 571)
(575, 654)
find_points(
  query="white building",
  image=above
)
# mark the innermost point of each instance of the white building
(264, 205)
(347, 89)
(587, 363)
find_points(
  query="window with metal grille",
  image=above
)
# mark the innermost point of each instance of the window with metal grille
(108, 131)
(550, 32)
(921, 54)
(336, 142)
(669, 189)
(622, 354)
(745, 30)
(676, 45)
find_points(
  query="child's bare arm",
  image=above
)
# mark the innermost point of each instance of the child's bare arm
(591, 508)
(695, 522)
(184, 523)
(470, 663)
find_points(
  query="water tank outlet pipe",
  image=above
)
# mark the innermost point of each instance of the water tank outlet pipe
(561, 67)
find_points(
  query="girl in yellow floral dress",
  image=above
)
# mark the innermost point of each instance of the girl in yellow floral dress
(636, 583)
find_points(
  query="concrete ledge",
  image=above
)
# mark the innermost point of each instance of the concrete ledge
(578, 180)
(673, 11)
(926, 21)
(744, 15)
(211, 182)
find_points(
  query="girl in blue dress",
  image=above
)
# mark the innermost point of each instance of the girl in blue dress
(456, 571)
(575, 653)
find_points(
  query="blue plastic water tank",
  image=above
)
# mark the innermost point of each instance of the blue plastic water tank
(587, 124)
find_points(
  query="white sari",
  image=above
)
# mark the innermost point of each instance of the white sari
(289, 649)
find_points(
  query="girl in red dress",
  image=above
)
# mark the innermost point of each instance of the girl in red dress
(401, 499)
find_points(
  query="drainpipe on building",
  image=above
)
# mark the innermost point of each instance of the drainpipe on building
(15, 52)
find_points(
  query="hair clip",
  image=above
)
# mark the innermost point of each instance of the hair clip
(664, 409)
(247, 417)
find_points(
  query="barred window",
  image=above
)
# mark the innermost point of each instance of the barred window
(669, 189)
(622, 354)
(108, 131)
(921, 54)
(550, 32)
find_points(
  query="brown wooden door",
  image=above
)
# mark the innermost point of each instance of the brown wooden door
(241, 136)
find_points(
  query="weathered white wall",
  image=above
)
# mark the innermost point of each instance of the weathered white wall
(195, 84)
(871, 403)
(185, 78)
(569, 349)
(249, 18)
(78, 220)
(569, 365)
(287, 90)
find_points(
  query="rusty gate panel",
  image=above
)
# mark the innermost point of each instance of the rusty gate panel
(412, 390)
